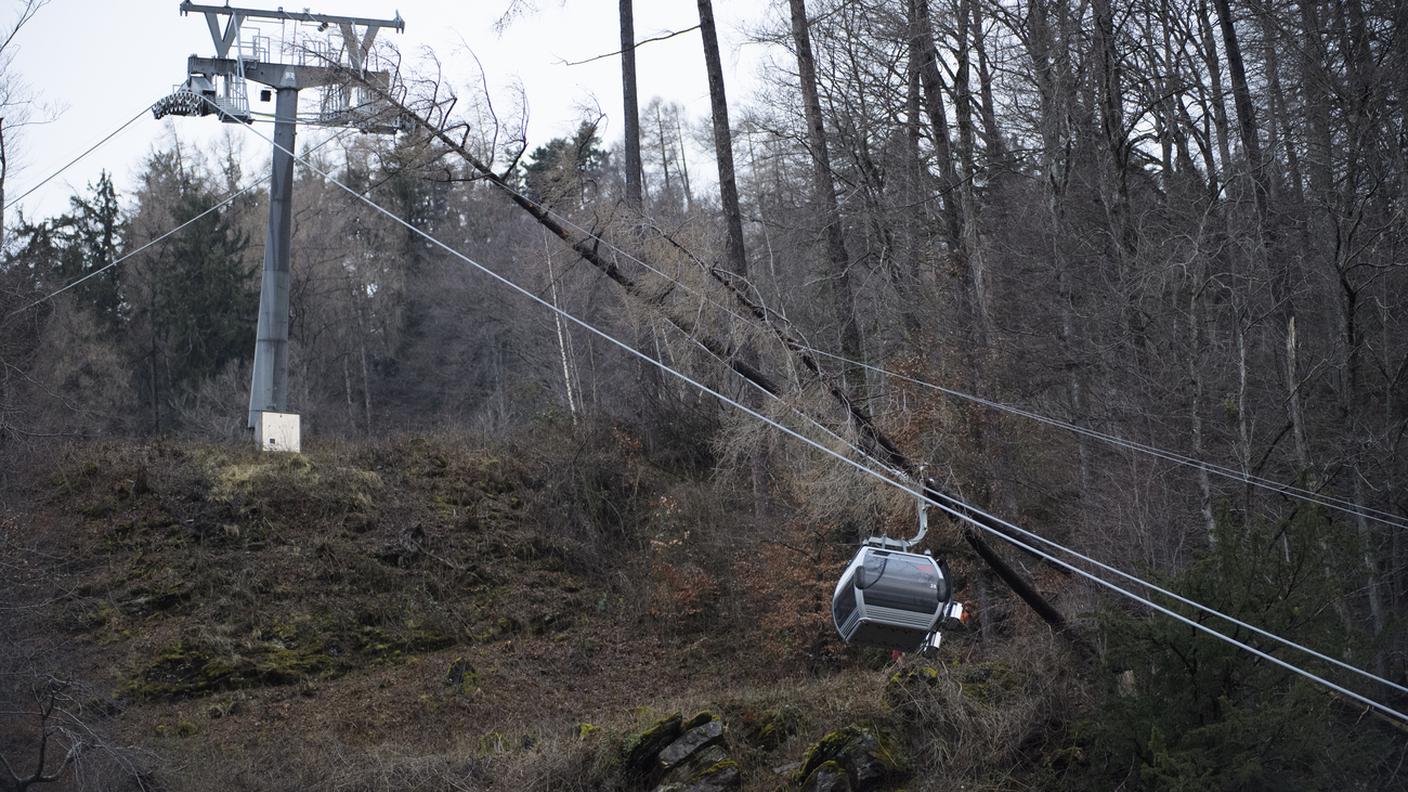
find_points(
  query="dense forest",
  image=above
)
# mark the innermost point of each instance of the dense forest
(1129, 274)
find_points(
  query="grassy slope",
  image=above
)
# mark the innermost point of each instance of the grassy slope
(417, 611)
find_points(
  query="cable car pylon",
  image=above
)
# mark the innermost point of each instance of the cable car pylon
(218, 86)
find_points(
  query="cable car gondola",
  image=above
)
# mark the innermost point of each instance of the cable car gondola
(895, 599)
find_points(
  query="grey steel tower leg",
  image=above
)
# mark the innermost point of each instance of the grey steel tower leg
(269, 383)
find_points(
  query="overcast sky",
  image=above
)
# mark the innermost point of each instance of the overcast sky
(100, 61)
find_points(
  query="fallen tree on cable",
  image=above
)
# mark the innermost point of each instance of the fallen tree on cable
(434, 122)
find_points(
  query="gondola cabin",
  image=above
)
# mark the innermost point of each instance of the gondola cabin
(890, 599)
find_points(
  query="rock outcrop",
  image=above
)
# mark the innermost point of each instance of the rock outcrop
(852, 759)
(674, 755)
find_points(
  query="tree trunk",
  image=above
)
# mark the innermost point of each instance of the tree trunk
(734, 253)
(1242, 100)
(1053, 86)
(4, 172)
(684, 166)
(996, 149)
(561, 336)
(1352, 398)
(1114, 169)
(1197, 342)
(824, 194)
(915, 193)
(1279, 134)
(664, 153)
(347, 389)
(921, 34)
(1219, 100)
(1313, 80)
(977, 275)
(631, 111)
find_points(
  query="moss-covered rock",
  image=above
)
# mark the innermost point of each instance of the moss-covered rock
(708, 770)
(869, 756)
(699, 719)
(696, 738)
(829, 776)
(638, 757)
(188, 670)
(462, 677)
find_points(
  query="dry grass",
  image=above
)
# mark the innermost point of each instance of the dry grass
(431, 613)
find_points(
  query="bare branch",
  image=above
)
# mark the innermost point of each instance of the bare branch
(669, 34)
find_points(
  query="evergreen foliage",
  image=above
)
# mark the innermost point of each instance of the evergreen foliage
(1185, 711)
(70, 246)
(567, 170)
(194, 297)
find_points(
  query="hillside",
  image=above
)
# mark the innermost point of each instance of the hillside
(431, 613)
(423, 613)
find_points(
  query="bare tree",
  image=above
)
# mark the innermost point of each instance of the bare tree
(54, 745)
(16, 99)
(824, 194)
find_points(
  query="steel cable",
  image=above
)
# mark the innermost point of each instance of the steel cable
(75, 160)
(1384, 708)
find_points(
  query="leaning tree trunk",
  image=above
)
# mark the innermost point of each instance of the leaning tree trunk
(875, 444)
(1242, 101)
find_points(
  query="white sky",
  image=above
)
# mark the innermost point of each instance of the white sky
(100, 61)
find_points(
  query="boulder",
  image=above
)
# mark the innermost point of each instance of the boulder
(830, 776)
(863, 752)
(708, 733)
(690, 771)
(641, 751)
(709, 770)
(683, 756)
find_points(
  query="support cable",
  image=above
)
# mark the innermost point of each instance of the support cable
(1171, 456)
(1300, 493)
(966, 516)
(1329, 501)
(900, 474)
(75, 160)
